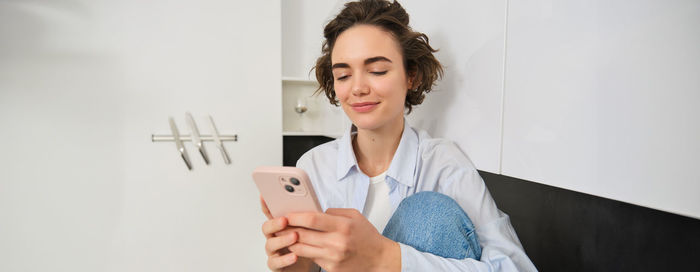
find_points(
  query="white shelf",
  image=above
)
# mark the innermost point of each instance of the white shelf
(310, 133)
(299, 80)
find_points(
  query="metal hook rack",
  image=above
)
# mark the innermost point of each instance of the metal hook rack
(196, 139)
(186, 138)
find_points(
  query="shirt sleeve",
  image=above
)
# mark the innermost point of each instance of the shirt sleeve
(500, 247)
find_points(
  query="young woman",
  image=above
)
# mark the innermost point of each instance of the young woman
(395, 199)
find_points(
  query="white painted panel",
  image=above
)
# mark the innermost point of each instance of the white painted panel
(601, 97)
(61, 117)
(83, 85)
(466, 105)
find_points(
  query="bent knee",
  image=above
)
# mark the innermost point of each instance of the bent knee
(434, 222)
(429, 202)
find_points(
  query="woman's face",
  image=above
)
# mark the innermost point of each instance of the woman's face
(369, 76)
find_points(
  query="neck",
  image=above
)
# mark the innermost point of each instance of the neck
(375, 148)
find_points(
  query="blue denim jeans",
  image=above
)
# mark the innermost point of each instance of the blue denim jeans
(434, 223)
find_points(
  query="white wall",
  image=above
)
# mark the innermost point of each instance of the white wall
(302, 34)
(61, 116)
(84, 84)
(601, 97)
(466, 105)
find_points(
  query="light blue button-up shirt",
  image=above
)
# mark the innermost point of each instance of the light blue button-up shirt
(421, 163)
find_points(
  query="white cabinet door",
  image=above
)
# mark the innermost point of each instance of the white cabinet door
(601, 98)
(84, 84)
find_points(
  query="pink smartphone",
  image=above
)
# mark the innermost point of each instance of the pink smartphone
(285, 190)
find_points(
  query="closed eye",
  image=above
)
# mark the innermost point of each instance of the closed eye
(379, 73)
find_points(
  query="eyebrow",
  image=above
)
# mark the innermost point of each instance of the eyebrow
(367, 61)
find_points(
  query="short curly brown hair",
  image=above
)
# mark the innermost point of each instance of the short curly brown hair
(419, 61)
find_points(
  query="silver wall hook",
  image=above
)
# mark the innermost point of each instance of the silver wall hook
(178, 143)
(217, 139)
(196, 140)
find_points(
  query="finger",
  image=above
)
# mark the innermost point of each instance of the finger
(350, 213)
(276, 243)
(315, 220)
(309, 237)
(308, 251)
(277, 262)
(265, 210)
(315, 238)
(287, 231)
(274, 225)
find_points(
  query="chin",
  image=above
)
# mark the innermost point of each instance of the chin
(365, 125)
(368, 121)
(364, 121)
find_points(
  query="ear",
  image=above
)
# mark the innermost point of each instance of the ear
(411, 80)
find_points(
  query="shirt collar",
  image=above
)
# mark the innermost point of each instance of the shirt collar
(403, 164)
(346, 155)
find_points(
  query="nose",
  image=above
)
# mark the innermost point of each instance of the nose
(359, 85)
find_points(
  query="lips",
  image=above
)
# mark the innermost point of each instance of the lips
(364, 106)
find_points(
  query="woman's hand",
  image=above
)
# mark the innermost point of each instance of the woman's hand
(279, 258)
(342, 240)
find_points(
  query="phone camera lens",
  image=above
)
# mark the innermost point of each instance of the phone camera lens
(289, 188)
(294, 181)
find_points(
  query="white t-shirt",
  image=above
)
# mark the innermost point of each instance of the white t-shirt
(377, 206)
